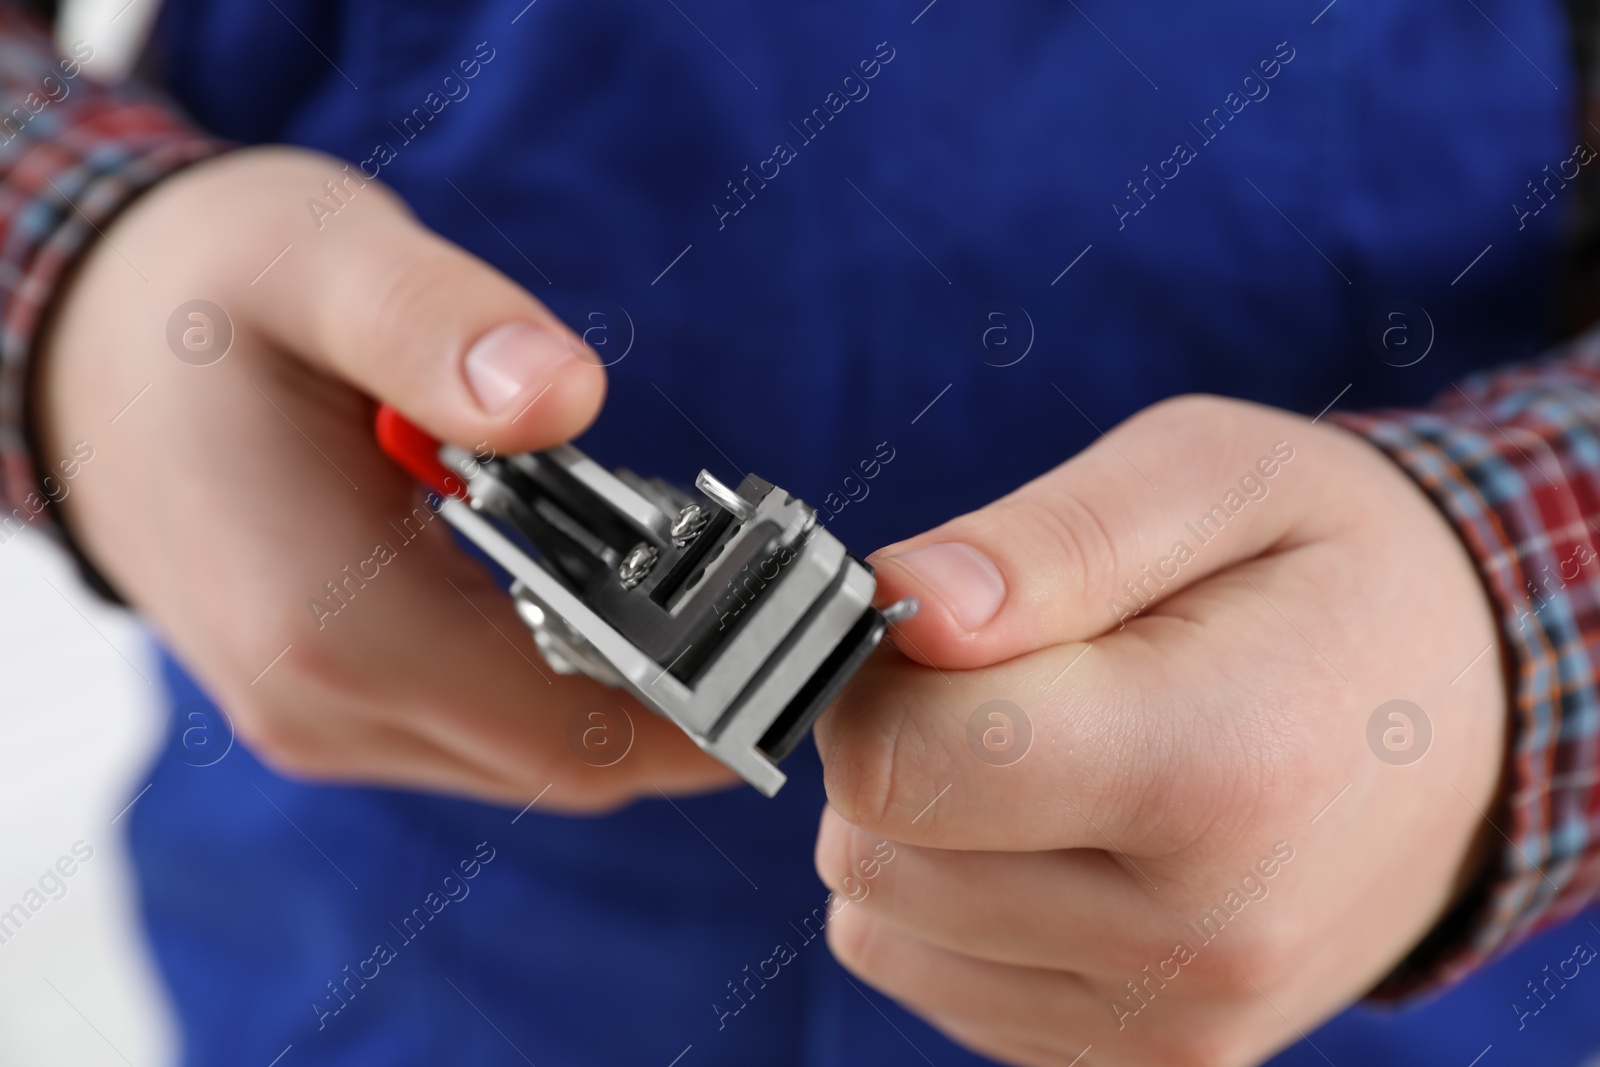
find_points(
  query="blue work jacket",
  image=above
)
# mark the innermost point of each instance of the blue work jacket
(973, 233)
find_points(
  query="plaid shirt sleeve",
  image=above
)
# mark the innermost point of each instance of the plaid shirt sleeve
(1512, 458)
(72, 155)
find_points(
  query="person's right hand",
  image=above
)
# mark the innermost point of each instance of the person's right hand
(221, 499)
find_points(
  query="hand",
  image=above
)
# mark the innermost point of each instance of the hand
(1200, 855)
(222, 499)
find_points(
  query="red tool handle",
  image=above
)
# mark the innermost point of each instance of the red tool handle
(416, 452)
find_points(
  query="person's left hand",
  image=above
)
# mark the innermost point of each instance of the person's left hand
(1187, 834)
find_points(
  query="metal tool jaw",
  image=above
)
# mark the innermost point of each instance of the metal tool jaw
(730, 612)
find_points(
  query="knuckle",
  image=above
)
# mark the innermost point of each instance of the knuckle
(851, 862)
(405, 285)
(413, 286)
(832, 854)
(288, 629)
(877, 760)
(1238, 962)
(316, 666)
(285, 745)
(855, 940)
(277, 715)
(858, 782)
(1075, 533)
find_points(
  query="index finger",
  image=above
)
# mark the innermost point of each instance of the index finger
(1131, 743)
(1036, 753)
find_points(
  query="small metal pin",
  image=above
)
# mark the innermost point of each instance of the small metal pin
(687, 526)
(901, 610)
(636, 564)
(724, 497)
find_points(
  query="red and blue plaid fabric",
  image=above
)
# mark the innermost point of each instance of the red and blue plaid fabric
(1512, 458)
(72, 155)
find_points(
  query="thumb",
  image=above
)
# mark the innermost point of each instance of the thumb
(408, 318)
(1182, 490)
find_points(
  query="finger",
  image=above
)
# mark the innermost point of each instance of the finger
(1050, 1017)
(378, 613)
(367, 606)
(348, 749)
(433, 645)
(374, 298)
(356, 744)
(1025, 1004)
(1179, 492)
(459, 706)
(1075, 909)
(1093, 762)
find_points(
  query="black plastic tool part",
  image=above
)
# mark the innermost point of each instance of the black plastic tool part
(801, 713)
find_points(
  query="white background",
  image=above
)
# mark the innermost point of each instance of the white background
(78, 725)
